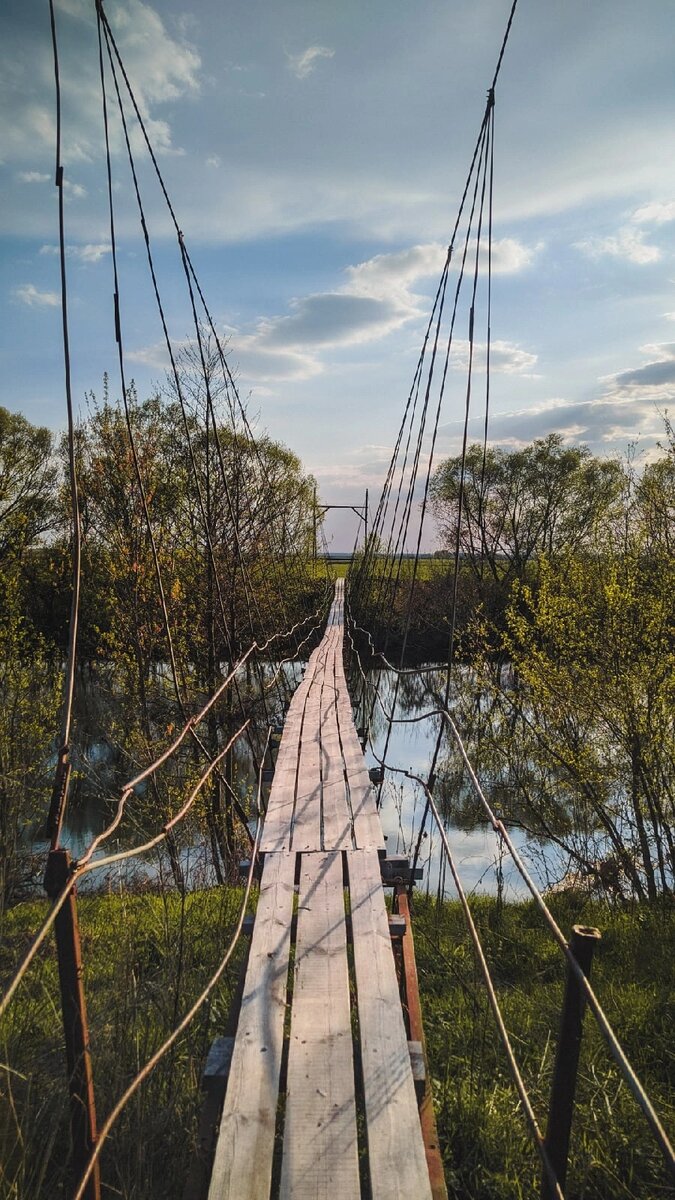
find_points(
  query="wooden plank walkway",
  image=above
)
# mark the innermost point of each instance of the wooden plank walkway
(320, 1101)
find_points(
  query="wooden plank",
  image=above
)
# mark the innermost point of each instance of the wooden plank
(368, 833)
(276, 832)
(320, 1153)
(337, 818)
(306, 831)
(242, 1167)
(396, 1156)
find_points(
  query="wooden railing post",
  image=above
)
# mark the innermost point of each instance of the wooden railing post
(75, 1028)
(561, 1108)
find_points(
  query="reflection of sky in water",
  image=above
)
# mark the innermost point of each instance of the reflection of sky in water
(411, 747)
(476, 851)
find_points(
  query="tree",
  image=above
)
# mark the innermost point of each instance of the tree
(576, 740)
(27, 484)
(545, 499)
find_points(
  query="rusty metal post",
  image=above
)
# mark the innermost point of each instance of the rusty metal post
(413, 1019)
(582, 943)
(75, 1028)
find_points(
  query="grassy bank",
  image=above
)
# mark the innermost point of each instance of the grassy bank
(486, 1149)
(146, 959)
(147, 956)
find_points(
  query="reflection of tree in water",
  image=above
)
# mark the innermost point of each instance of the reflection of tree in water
(111, 746)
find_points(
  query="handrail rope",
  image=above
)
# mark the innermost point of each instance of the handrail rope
(61, 778)
(122, 373)
(129, 424)
(523, 1094)
(490, 109)
(465, 438)
(93, 864)
(266, 688)
(451, 245)
(628, 1072)
(481, 495)
(635, 1086)
(61, 898)
(477, 161)
(230, 381)
(152, 1062)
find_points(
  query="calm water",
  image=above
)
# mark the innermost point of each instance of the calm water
(411, 746)
(475, 851)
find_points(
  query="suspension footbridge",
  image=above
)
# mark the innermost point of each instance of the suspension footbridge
(323, 1049)
(322, 1088)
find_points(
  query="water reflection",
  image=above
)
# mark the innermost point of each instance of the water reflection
(410, 745)
(102, 764)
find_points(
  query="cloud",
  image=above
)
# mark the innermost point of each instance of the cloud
(91, 252)
(506, 358)
(656, 213)
(33, 177)
(213, 160)
(74, 189)
(509, 256)
(628, 244)
(378, 275)
(28, 294)
(628, 407)
(162, 68)
(605, 423)
(377, 298)
(332, 319)
(304, 64)
(653, 381)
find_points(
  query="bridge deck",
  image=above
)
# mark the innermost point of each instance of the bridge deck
(320, 1099)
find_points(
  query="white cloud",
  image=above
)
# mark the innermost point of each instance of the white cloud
(162, 68)
(91, 252)
(74, 189)
(509, 256)
(376, 300)
(506, 358)
(653, 382)
(304, 64)
(155, 357)
(33, 177)
(627, 243)
(656, 213)
(213, 161)
(28, 294)
(607, 423)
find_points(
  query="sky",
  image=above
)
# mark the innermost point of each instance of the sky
(315, 154)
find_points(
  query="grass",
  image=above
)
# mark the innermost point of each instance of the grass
(147, 955)
(487, 1152)
(427, 568)
(146, 958)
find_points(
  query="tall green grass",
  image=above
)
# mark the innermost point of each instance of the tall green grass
(487, 1151)
(147, 956)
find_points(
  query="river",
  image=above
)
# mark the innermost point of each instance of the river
(476, 849)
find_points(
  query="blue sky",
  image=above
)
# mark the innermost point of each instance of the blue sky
(315, 154)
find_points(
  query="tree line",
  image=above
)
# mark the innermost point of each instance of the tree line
(226, 522)
(569, 560)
